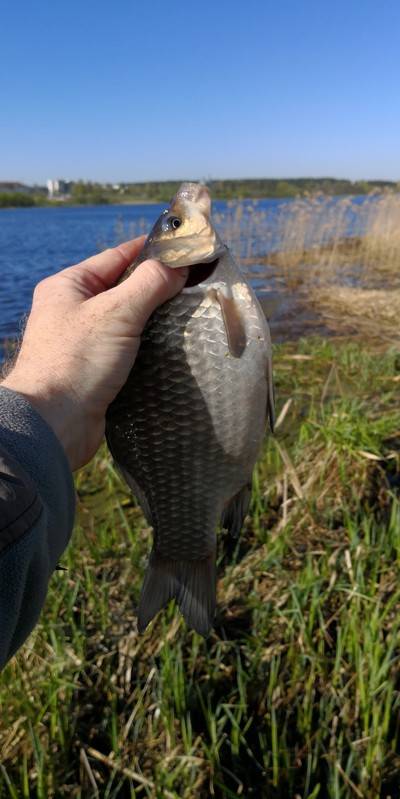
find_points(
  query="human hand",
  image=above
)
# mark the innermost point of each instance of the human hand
(81, 340)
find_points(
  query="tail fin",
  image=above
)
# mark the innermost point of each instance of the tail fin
(190, 582)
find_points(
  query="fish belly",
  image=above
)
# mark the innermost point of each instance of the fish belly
(188, 424)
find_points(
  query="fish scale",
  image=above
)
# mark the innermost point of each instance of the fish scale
(186, 430)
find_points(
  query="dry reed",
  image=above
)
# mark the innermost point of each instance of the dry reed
(340, 256)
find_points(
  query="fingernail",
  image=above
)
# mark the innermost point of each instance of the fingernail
(183, 272)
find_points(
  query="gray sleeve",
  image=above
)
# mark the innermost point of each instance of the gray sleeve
(37, 504)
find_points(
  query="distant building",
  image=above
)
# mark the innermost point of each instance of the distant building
(58, 187)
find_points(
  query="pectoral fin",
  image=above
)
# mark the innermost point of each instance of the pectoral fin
(234, 326)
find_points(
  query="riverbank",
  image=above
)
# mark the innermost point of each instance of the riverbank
(295, 693)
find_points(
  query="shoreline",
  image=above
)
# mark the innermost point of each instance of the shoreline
(247, 199)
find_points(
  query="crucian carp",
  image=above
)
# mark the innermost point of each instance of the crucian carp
(187, 427)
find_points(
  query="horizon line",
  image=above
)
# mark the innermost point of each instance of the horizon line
(204, 180)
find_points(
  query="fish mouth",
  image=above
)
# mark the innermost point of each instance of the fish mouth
(199, 273)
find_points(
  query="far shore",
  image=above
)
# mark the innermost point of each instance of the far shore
(70, 204)
(237, 190)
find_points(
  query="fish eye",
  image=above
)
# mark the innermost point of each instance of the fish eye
(169, 223)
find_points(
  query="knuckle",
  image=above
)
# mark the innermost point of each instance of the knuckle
(42, 287)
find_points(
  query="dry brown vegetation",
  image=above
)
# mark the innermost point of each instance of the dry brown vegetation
(337, 256)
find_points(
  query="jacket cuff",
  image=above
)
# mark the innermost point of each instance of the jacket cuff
(34, 473)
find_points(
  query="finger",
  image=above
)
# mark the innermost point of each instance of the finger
(150, 285)
(102, 271)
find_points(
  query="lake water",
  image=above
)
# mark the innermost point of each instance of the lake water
(37, 242)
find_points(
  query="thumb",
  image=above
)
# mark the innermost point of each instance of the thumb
(150, 285)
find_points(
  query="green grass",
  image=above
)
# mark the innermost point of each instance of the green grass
(296, 692)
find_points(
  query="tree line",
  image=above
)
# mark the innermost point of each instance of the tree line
(89, 193)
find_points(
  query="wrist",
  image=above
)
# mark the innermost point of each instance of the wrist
(54, 407)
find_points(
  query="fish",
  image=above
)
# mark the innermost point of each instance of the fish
(187, 427)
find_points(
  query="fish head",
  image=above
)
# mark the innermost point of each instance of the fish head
(184, 235)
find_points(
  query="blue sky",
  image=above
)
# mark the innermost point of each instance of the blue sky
(157, 90)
